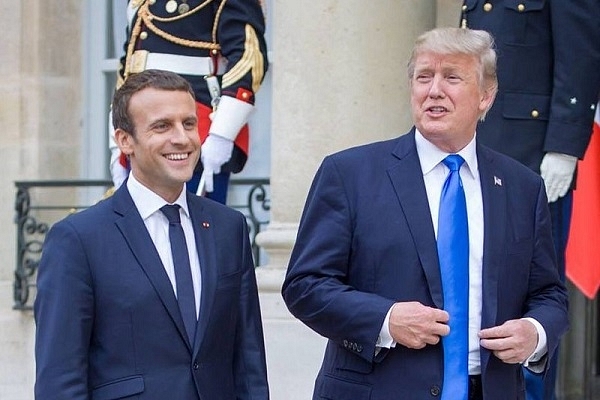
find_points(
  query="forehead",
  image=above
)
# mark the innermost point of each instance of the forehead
(153, 100)
(437, 61)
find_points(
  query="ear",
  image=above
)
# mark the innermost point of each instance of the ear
(487, 98)
(125, 141)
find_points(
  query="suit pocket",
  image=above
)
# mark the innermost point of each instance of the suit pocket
(526, 106)
(119, 389)
(521, 21)
(331, 388)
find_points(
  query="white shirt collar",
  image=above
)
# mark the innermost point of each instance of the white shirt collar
(148, 202)
(430, 155)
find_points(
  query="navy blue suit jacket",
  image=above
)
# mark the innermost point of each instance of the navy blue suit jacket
(108, 324)
(366, 240)
(548, 75)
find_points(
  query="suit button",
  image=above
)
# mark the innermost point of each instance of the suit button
(435, 390)
(487, 7)
(196, 366)
(521, 7)
(535, 113)
(144, 35)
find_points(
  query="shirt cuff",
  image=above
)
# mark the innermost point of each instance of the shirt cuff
(542, 345)
(385, 338)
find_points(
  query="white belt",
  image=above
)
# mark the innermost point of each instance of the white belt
(184, 65)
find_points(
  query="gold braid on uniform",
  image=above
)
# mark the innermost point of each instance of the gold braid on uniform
(146, 16)
(135, 33)
(252, 60)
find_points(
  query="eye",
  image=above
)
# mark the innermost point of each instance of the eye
(453, 78)
(190, 124)
(160, 126)
(423, 78)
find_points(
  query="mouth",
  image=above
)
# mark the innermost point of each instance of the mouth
(177, 156)
(436, 110)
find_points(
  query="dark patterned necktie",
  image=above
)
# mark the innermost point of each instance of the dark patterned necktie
(183, 272)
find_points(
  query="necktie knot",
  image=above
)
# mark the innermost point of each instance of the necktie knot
(171, 211)
(453, 161)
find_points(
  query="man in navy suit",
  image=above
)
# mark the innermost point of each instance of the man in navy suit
(107, 310)
(365, 269)
(549, 78)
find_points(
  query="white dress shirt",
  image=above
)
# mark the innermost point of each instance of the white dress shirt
(148, 205)
(434, 175)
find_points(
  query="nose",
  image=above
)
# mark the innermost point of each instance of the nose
(435, 89)
(180, 134)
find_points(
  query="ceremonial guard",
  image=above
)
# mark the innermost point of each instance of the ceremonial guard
(219, 47)
(548, 82)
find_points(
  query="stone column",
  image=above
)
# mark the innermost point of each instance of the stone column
(339, 80)
(40, 115)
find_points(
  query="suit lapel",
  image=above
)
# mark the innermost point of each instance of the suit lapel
(205, 244)
(494, 198)
(136, 235)
(407, 179)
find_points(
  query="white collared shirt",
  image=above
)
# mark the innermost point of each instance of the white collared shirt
(434, 175)
(148, 205)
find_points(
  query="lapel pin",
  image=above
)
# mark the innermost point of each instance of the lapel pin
(497, 181)
(205, 225)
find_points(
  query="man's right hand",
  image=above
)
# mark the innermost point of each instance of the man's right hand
(415, 325)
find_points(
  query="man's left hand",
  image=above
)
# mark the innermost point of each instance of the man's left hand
(557, 171)
(512, 342)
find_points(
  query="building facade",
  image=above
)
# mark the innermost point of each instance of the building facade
(337, 79)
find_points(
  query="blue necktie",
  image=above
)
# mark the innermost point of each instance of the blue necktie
(183, 272)
(453, 251)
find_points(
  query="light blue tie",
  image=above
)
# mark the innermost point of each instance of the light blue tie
(453, 251)
(183, 272)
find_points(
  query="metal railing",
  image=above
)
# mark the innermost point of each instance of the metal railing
(38, 204)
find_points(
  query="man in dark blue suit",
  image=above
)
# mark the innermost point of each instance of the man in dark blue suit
(548, 83)
(365, 270)
(107, 310)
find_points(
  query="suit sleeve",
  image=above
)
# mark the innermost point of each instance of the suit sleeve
(250, 369)
(318, 287)
(576, 82)
(63, 313)
(547, 295)
(240, 33)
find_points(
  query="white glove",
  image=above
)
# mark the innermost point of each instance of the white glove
(557, 171)
(215, 152)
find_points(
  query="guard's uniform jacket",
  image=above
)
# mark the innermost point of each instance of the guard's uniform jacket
(217, 45)
(540, 109)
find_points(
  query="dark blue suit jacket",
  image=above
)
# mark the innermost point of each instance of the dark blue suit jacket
(548, 75)
(108, 325)
(366, 240)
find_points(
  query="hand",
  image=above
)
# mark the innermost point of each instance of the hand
(557, 170)
(215, 152)
(414, 325)
(512, 342)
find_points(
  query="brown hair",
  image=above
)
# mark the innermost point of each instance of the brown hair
(151, 78)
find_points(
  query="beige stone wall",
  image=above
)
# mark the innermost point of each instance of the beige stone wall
(40, 116)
